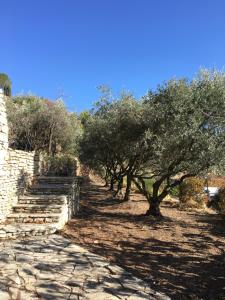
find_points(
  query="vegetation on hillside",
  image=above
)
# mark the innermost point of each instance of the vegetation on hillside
(39, 124)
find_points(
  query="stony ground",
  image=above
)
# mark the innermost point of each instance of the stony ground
(181, 255)
(54, 268)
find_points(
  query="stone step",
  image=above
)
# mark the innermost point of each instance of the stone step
(42, 199)
(54, 179)
(22, 230)
(37, 208)
(36, 218)
(43, 209)
(58, 189)
(48, 192)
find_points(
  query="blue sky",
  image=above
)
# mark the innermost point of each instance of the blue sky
(70, 46)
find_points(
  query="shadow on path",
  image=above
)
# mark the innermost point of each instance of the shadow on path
(181, 255)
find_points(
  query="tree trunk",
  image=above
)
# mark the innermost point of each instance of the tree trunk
(119, 192)
(127, 193)
(50, 143)
(107, 178)
(120, 185)
(111, 187)
(155, 200)
(154, 209)
(106, 181)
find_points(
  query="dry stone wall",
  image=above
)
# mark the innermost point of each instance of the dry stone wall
(17, 168)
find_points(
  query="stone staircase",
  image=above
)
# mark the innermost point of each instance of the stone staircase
(43, 209)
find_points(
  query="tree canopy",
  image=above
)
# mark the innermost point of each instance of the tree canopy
(39, 124)
(171, 134)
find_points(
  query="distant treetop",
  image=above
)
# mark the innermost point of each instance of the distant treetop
(5, 84)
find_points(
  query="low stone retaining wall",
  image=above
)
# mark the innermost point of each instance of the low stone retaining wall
(41, 213)
(17, 172)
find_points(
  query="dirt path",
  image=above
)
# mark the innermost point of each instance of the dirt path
(182, 255)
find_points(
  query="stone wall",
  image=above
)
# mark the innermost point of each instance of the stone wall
(17, 168)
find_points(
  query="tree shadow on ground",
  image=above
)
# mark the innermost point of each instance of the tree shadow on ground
(54, 268)
(190, 268)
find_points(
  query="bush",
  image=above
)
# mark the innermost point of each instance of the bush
(175, 192)
(192, 193)
(60, 165)
(220, 203)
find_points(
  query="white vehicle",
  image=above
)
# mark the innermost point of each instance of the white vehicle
(211, 191)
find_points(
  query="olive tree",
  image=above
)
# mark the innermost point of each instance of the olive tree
(183, 137)
(111, 134)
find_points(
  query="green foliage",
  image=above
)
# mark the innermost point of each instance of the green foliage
(39, 124)
(175, 192)
(5, 84)
(110, 135)
(60, 165)
(220, 201)
(174, 133)
(84, 116)
(192, 193)
(149, 185)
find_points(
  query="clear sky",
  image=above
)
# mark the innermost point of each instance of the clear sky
(50, 46)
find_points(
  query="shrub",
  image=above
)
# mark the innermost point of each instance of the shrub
(220, 201)
(60, 165)
(5, 84)
(175, 192)
(192, 193)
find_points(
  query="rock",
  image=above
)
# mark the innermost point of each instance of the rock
(4, 296)
(3, 234)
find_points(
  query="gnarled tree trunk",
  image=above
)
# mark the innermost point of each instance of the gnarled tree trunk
(111, 187)
(119, 191)
(154, 209)
(128, 188)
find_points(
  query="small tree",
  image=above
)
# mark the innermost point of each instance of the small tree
(5, 84)
(183, 138)
(110, 135)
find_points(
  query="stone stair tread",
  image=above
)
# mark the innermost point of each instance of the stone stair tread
(43, 209)
(50, 189)
(42, 202)
(26, 229)
(49, 192)
(38, 205)
(49, 186)
(27, 226)
(59, 178)
(32, 215)
(29, 196)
